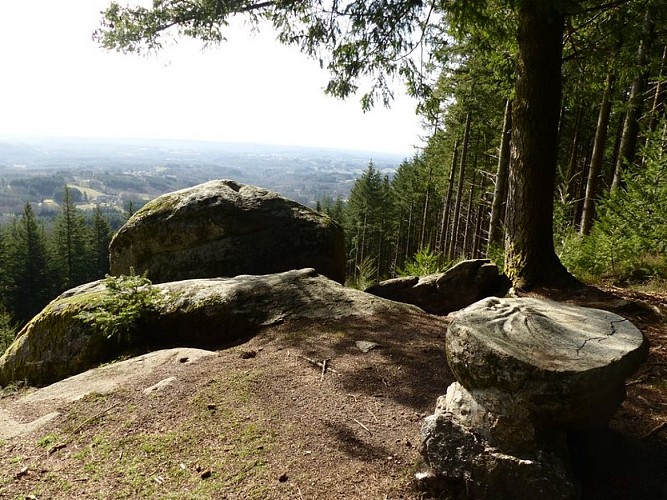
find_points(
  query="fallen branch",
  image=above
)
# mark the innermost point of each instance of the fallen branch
(63, 443)
(317, 363)
(656, 429)
(639, 380)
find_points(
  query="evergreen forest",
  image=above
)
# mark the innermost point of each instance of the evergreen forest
(42, 257)
(448, 202)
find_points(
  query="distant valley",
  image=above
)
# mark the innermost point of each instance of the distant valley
(116, 172)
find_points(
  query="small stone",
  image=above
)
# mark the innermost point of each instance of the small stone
(283, 478)
(365, 346)
(21, 473)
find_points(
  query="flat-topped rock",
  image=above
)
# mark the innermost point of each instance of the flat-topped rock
(441, 293)
(567, 364)
(223, 228)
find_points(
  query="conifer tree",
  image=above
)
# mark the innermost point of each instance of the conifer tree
(71, 240)
(29, 270)
(101, 237)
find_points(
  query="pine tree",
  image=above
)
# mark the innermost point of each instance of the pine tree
(71, 240)
(29, 269)
(101, 237)
(369, 216)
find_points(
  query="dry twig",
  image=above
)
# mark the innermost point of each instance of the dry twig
(317, 363)
(656, 429)
(63, 443)
(369, 431)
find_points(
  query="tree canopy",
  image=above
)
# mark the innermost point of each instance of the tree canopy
(461, 59)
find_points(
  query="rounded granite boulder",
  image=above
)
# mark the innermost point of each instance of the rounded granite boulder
(566, 364)
(224, 229)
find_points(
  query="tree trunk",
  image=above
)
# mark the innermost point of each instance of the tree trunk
(469, 217)
(477, 241)
(597, 156)
(569, 180)
(609, 176)
(659, 98)
(424, 216)
(459, 190)
(635, 102)
(448, 200)
(500, 191)
(530, 258)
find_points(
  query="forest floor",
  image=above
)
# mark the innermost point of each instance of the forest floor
(261, 420)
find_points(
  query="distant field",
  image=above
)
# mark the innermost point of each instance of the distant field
(91, 193)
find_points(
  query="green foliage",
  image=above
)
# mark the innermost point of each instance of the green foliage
(29, 267)
(628, 242)
(368, 223)
(101, 238)
(497, 255)
(72, 244)
(365, 274)
(47, 441)
(359, 42)
(425, 262)
(128, 299)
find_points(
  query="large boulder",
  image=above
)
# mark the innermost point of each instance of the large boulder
(458, 287)
(529, 371)
(566, 364)
(221, 229)
(203, 313)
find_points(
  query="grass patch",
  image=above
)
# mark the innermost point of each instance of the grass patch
(220, 445)
(47, 441)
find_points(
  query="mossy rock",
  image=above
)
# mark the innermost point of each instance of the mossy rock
(56, 344)
(223, 229)
(205, 313)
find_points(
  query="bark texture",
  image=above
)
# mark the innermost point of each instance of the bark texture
(530, 257)
(500, 191)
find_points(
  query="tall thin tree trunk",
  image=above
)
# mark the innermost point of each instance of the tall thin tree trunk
(609, 178)
(448, 200)
(630, 135)
(581, 187)
(500, 191)
(530, 257)
(407, 241)
(574, 156)
(660, 94)
(659, 98)
(426, 200)
(469, 216)
(459, 190)
(597, 156)
(479, 222)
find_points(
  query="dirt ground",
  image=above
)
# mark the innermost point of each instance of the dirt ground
(262, 420)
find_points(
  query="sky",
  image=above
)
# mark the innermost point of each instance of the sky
(55, 81)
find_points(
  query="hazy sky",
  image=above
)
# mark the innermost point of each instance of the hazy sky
(54, 80)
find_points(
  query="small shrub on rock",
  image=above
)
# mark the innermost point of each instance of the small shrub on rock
(128, 298)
